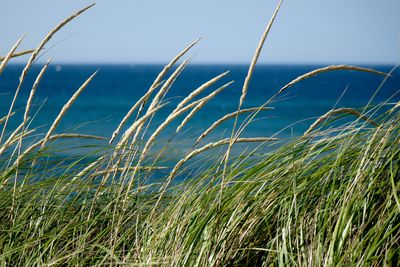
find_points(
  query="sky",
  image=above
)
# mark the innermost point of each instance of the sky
(154, 31)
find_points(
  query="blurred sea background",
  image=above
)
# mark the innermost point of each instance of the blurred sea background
(116, 88)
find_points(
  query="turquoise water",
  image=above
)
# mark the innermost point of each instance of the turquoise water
(117, 87)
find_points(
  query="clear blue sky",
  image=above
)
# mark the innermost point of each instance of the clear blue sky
(150, 31)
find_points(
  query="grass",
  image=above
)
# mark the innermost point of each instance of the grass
(329, 197)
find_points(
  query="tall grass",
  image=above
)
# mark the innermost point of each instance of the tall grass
(329, 197)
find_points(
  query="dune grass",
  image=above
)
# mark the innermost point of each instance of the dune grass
(329, 197)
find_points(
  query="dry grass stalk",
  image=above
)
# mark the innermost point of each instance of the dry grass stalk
(225, 118)
(66, 108)
(79, 136)
(190, 115)
(326, 69)
(128, 133)
(13, 138)
(142, 101)
(339, 111)
(199, 90)
(33, 57)
(124, 169)
(18, 54)
(33, 90)
(169, 66)
(393, 109)
(161, 94)
(63, 136)
(246, 85)
(133, 109)
(88, 168)
(167, 85)
(216, 144)
(5, 117)
(172, 116)
(157, 98)
(196, 109)
(257, 54)
(30, 99)
(122, 144)
(172, 62)
(206, 98)
(52, 32)
(10, 54)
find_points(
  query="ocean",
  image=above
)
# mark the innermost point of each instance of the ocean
(116, 88)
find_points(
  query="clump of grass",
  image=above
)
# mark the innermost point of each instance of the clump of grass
(329, 197)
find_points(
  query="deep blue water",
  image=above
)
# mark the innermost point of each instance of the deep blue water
(117, 87)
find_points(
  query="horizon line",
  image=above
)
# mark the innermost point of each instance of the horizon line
(204, 63)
